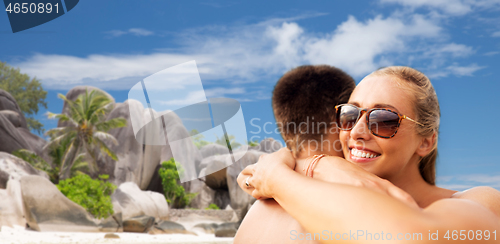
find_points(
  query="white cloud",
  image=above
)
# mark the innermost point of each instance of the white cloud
(255, 52)
(191, 98)
(456, 70)
(450, 7)
(463, 182)
(355, 45)
(140, 32)
(133, 31)
(491, 53)
(464, 70)
(457, 7)
(105, 71)
(496, 34)
(456, 50)
(220, 92)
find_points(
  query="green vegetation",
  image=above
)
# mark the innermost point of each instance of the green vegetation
(28, 93)
(198, 139)
(199, 142)
(79, 167)
(212, 206)
(176, 195)
(228, 142)
(253, 143)
(93, 195)
(86, 130)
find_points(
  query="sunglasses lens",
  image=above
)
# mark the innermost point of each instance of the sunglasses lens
(347, 117)
(383, 123)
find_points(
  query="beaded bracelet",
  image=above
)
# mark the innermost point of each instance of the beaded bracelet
(309, 167)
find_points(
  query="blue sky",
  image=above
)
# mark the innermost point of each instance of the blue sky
(243, 47)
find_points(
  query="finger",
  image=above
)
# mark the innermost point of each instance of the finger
(256, 194)
(254, 183)
(249, 170)
(241, 183)
(241, 177)
(247, 187)
(247, 183)
(250, 182)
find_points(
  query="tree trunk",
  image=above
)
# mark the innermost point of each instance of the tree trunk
(69, 160)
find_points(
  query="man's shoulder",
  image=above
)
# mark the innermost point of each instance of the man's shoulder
(486, 196)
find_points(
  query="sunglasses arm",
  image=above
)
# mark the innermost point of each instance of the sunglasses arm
(408, 118)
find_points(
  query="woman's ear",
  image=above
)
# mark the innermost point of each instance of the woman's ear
(426, 145)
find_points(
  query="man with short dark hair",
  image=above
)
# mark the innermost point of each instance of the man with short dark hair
(304, 101)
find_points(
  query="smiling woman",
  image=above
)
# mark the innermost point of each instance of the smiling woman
(389, 138)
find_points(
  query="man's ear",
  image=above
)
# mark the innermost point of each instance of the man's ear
(426, 145)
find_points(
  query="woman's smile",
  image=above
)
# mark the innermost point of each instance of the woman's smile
(360, 155)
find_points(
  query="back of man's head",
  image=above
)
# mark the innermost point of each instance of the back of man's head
(304, 101)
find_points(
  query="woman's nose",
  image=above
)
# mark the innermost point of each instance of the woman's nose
(360, 130)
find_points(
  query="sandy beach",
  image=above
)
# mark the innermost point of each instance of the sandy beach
(18, 234)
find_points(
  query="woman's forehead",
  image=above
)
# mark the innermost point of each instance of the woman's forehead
(375, 90)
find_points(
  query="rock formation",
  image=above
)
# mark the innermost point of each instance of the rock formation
(13, 168)
(14, 133)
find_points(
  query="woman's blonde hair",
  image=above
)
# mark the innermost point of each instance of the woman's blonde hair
(427, 111)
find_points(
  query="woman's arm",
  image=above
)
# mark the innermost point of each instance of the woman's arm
(323, 207)
(338, 170)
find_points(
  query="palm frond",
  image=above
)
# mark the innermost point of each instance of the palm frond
(55, 132)
(80, 162)
(74, 111)
(103, 136)
(111, 124)
(105, 149)
(90, 152)
(57, 140)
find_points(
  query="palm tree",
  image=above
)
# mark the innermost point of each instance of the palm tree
(227, 141)
(86, 130)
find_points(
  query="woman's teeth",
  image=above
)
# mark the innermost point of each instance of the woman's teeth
(362, 154)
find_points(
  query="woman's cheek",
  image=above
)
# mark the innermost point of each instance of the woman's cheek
(344, 138)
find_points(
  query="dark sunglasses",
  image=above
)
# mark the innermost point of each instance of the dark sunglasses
(381, 122)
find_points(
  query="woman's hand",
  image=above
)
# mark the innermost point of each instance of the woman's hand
(243, 176)
(338, 170)
(260, 175)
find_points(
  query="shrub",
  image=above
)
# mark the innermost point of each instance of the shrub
(175, 194)
(253, 143)
(198, 139)
(92, 194)
(213, 206)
